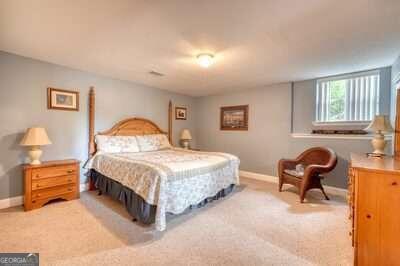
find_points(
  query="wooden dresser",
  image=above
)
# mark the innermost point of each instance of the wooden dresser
(374, 199)
(50, 180)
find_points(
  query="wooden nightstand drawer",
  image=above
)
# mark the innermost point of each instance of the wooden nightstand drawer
(53, 181)
(53, 192)
(50, 180)
(53, 171)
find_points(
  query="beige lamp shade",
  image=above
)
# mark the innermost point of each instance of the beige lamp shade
(380, 123)
(35, 136)
(186, 135)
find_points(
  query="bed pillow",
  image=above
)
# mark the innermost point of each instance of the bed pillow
(153, 142)
(114, 144)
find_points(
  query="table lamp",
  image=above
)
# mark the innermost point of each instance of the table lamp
(379, 124)
(34, 138)
(186, 137)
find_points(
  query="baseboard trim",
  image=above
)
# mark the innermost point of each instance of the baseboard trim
(274, 179)
(336, 191)
(11, 202)
(262, 177)
(84, 187)
(19, 200)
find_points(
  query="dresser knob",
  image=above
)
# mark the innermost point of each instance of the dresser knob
(70, 189)
(69, 180)
(394, 183)
(70, 171)
(368, 216)
(37, 185)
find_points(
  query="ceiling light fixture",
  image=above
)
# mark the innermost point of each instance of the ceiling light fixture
(155, 73)
(205, 60)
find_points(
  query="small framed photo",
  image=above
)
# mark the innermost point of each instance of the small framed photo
(62, 99)
(180, 113)
(234, 117)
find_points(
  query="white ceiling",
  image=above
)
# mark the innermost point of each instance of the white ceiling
(255, 42)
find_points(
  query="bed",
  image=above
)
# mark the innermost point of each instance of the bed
(135, 163)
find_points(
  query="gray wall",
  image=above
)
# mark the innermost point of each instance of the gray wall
(396, 71)
(395, 85)
(269, 136)
(304, 102)
(23, 84)
(304, 115)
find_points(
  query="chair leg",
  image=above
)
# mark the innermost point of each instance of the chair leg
(280, 185)
(302, 195)
(319, 185)
(323, 192)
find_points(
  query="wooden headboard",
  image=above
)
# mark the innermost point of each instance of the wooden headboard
(133, 126)
(128, 127)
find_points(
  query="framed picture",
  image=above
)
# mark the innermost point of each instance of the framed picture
(234, 117)
(62, 99)
(180, 113)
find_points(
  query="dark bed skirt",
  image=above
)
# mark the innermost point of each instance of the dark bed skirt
(136, 206)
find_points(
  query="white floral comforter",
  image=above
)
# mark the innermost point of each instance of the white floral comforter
(172, 179)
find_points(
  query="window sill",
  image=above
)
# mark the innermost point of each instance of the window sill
(336, 136)
(324, 124)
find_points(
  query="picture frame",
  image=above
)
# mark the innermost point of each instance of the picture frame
(234, 117)
(180, 113)
(61, 99)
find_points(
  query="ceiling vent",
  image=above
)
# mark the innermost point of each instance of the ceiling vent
(155, 73)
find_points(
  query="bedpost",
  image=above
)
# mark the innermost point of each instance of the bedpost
(91, 121)
(91, 131)
(170, 122)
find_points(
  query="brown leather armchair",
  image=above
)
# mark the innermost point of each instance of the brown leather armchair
(316, 161)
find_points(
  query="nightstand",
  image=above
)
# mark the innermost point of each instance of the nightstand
(50, 180)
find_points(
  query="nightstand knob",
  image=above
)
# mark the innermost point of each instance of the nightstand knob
(70, 171)
(368, 216)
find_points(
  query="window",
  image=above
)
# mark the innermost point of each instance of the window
(350, 98)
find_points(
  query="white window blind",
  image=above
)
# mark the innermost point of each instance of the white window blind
(350, 98)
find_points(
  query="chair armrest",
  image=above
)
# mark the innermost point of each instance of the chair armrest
(286, 164)
(316, 168)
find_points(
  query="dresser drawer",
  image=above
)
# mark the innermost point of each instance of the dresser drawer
(53, 171)
(53, 192)
(49, 181)
(53, 181)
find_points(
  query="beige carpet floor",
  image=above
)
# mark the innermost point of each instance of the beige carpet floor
(255, 225)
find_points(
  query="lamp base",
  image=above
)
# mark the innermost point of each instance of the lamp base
(185, 144)
(34, 154)
(378, 143)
